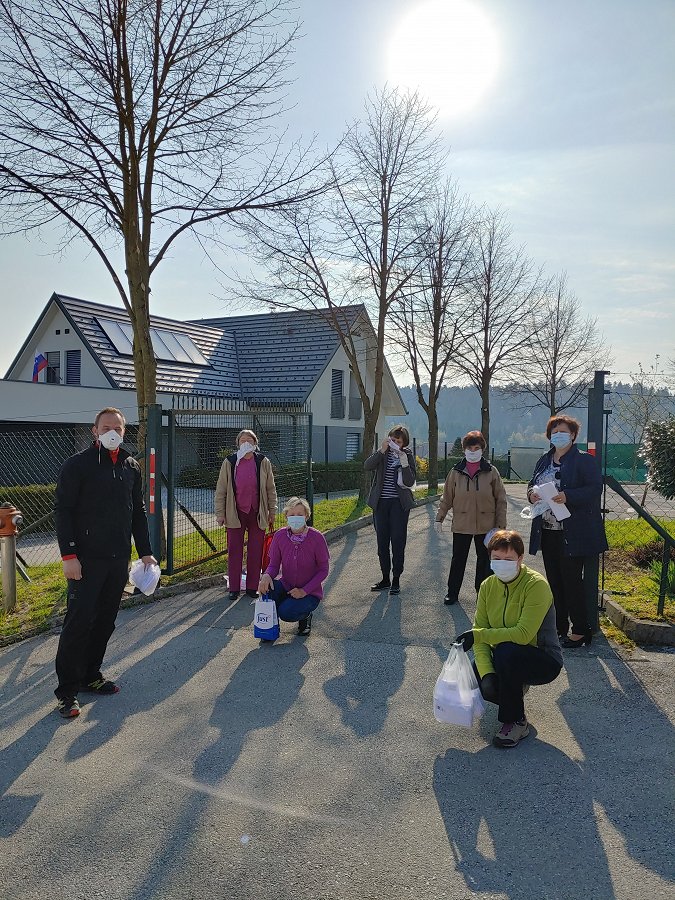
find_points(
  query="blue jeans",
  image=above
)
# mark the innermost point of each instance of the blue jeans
(288, 608)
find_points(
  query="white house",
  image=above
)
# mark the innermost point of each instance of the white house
(288, 358)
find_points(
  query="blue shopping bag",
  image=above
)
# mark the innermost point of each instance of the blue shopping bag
(266, 620)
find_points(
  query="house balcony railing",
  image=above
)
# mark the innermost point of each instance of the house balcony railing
(337, 406)
(355, 408)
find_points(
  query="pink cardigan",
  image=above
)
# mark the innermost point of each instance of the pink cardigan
(303, 565)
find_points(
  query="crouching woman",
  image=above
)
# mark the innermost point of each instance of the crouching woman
(300, 553)
(513, 636)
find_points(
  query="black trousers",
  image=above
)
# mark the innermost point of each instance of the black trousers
(391, 527)
(460, 552)
(516, 665)
(565, 575)
(93, 604)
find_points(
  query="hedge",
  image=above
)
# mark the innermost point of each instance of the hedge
(34, 501)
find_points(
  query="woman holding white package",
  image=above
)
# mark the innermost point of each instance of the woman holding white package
(391, 498)
(299, 560)
(246, 501)
(568, 544)
(513, 635)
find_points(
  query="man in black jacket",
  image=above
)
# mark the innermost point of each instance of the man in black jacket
(99, 507)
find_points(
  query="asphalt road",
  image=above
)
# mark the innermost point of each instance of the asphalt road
(313, 769)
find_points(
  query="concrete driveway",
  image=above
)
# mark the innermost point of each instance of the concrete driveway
(313, 769)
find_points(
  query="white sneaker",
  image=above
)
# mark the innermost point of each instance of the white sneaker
(511, 733)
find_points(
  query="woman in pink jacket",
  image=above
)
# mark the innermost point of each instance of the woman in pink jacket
(300, 554)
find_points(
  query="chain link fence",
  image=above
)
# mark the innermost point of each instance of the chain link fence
(197, 441)
(30, 459)
(634, 565)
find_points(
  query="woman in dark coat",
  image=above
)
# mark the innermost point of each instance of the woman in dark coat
(569, 544)
(391, 499)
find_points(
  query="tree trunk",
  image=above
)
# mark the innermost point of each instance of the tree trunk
(368, 447)
(485, 410)
(432, 416)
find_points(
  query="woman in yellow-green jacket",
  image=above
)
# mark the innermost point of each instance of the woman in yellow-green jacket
(514, 635)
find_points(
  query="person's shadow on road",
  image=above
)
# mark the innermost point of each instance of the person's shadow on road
(374, 668)
(502, 814)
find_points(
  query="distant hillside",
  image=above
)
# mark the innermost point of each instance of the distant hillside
(459, 412)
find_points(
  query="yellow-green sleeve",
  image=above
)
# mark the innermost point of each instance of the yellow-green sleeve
(481, 651)
(538, 599)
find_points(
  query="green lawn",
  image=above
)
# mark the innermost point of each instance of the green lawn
(636, 587)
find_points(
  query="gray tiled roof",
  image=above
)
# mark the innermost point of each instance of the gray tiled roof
(221, 378)
(281, 355)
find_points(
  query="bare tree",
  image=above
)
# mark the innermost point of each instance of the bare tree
(430, 315)
(565, 349)
(130, 124)
(505, 289)
(358, 248)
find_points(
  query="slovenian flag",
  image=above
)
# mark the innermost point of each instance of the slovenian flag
(39, 365)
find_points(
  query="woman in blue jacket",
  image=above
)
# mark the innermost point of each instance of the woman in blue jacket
(568, 545)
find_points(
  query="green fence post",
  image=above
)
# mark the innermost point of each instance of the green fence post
(595, 438)
(153, 484)
(170, 492)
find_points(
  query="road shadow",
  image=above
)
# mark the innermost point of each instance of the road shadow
(160, 674)
(507, 832)
(628, 744)
(262, 689)
(372, 676)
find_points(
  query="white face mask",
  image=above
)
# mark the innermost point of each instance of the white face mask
(111, 440)
(245, 448)
(473, 455)
(296, 523)
(393, 445)
(504, 569)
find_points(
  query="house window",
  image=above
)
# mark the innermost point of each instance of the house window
(337, 394)
(172, 346)
(353, 446)
(73, 366)
(53, 367)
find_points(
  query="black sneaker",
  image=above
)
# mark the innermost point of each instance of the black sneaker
(68, 707)
(101, 686)
(234, 595)
(381, 585)
(253, 594)
(395, 587)
(448, 600)
(305, 625)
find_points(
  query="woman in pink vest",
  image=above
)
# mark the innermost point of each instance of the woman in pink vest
(246, 501)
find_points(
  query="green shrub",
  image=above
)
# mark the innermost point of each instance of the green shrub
(337, 476)
(34, 501)
(198, 477)
(658, 449)
(647, 554)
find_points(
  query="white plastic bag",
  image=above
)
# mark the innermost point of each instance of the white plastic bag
(457, 697)
(145, 578)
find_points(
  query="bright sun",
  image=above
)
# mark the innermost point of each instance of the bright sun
(446, 49)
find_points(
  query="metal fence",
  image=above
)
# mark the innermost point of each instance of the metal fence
(30, 459)
(638, 519)
(190, 448)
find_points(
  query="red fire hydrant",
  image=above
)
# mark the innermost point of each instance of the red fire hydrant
(10, 521)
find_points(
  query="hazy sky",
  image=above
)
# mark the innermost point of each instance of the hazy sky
(574, 137)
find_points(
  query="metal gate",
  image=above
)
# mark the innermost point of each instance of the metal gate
(639, 522)
(186, 448)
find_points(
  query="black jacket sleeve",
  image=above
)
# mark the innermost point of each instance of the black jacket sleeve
(139, 520)
(67, 496)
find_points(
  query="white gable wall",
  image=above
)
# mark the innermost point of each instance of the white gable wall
(46, 340)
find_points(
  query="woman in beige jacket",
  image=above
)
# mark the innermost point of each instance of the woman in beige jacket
(475, 493)
(246, 501)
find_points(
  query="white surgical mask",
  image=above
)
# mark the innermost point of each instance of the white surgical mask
(473, 455)
(111, 440)
(504, 569)
(245, 448)
(561, 439)
(296, 523)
